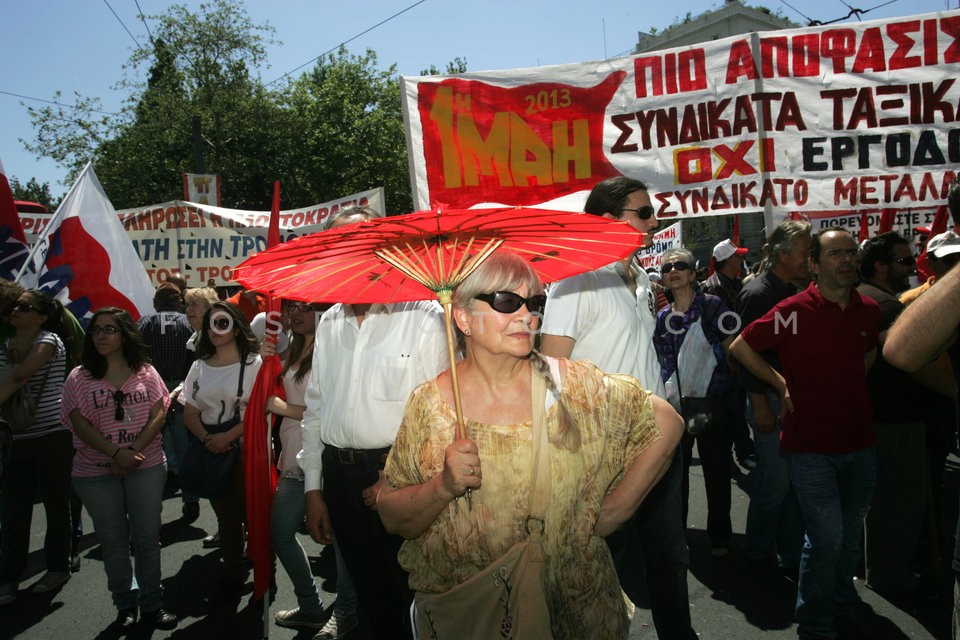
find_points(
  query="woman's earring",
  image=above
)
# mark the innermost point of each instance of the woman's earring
(466, 332)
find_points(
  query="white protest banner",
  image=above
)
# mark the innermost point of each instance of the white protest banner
(828, 118)
(204, 243)
(905, 221)
(669, 238)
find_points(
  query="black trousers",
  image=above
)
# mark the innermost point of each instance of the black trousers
(383, 595)
(651, 548)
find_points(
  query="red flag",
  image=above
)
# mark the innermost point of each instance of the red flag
(13, 243)
(85, 257)
(258, 461)
(887, 218)
(940, 219)
(864, 227)
(735, 234)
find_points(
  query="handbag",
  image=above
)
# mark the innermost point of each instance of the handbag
(505, 599)
(702, 416)
(207, 474)
(705, 416)
(20, 409)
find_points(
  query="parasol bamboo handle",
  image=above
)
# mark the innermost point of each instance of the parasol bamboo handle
(452, 351)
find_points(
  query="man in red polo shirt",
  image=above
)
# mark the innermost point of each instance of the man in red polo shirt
(826, 338)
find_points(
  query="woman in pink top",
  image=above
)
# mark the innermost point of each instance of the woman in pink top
(115, 403)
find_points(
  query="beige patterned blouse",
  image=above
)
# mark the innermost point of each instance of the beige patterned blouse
(616, 422)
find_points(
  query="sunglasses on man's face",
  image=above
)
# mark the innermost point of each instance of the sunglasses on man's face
(644, 213)
(907, 261)
(118, 404)
(508, 301)
(670, 266)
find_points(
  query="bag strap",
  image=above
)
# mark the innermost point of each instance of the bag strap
(540, 481)
(236, 405)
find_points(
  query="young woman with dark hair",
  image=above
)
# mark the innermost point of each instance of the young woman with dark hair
(35, 358)
(227, 360)
(115, 402)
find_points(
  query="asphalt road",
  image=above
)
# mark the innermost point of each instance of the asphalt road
(727, 600)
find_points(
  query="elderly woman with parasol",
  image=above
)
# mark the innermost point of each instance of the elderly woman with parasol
(469, 506)
(505, 513)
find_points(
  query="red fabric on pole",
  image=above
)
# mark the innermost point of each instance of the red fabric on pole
(864, 227)
(940, 220)
(735, 234)
(259, 465)
(887, 218)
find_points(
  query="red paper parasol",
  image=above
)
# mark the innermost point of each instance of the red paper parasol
(425, 255)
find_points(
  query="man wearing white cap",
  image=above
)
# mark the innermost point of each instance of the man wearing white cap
(725, 281)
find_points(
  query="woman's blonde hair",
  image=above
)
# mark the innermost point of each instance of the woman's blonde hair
(206, 294)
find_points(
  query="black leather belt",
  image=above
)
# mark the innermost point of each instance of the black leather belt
(361, 457)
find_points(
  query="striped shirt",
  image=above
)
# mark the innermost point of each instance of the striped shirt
(47, 417)
(94, 399)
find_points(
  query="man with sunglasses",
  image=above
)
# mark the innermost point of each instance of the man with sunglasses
(895, 523)
(608, 316)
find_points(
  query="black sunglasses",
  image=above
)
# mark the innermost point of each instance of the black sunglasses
(107, 329)
(645, 213)
(118, 403)
(25, 307)
(907, 261)
(670, 266)
(508, 301)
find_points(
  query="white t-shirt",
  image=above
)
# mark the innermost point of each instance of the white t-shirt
(213, 390)
(613, 328)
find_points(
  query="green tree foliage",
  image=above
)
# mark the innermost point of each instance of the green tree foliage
(34, 191)
(348, 131)
(335, 130)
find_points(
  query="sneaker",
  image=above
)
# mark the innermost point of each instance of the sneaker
(8, 593)
(337, 626)
(294, 618)
(211, 542)
(51, 581)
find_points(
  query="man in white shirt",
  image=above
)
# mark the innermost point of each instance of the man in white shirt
(366, 361)
(608, 316)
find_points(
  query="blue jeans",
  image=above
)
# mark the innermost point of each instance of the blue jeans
(834, 491)
(175, 444)
(286, 515)
(774, 524)
(126, 510)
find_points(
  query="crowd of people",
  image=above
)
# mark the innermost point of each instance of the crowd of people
(582, 402)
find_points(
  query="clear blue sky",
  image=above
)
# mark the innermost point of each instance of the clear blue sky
(80, 46)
